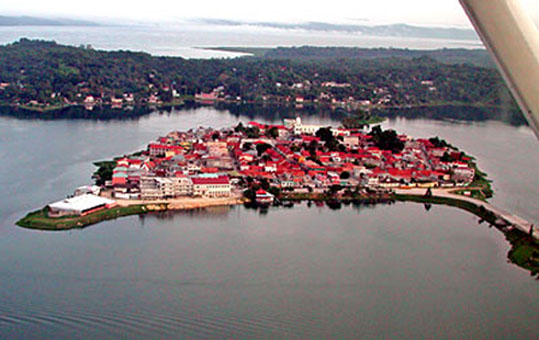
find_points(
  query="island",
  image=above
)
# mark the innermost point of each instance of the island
(262, 165)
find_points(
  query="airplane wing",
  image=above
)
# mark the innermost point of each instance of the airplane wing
(512, 39)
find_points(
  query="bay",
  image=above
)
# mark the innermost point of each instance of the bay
(189, 40)
(380, 271)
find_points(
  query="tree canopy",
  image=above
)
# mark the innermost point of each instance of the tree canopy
(47, 72)
(386, 139)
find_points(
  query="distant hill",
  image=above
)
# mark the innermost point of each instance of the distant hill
(36, 21)
(477, 57)
(45, 74)
(394, 30)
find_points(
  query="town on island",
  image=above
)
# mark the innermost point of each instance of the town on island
(263, 164)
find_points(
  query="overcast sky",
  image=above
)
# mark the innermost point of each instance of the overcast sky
(421, 12)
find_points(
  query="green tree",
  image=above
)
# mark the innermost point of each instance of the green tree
(261, 148)
(386, 140)
(275, 191)
(239, 127)
(252, 132)
(325, 134)
(345, 175)
(273, 132)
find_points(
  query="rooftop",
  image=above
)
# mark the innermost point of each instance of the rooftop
(210, 180)
(81, 203)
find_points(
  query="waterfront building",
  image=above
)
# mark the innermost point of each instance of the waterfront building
(264, 197)
(211, 186)
(183, 186)
(310, 129)
(88, 189)
(148, 188)
(153, 187)
(79, 205)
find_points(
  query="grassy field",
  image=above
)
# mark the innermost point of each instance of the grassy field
(524, 251)
(40, 220)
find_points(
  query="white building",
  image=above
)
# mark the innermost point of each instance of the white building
(79, 205)
(88, 189)
(211, 186)
(165, 187)
(309, 129)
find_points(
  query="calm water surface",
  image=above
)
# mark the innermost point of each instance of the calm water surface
(385, 271)
(185, 40)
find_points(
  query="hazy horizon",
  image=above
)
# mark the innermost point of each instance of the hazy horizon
(442, 13)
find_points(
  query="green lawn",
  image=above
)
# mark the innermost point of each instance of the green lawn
(40, 220)
(524, 251)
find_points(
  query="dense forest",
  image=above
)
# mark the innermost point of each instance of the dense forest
(44, 73)
(477, 57)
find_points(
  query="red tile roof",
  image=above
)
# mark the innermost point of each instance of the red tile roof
(210, 180)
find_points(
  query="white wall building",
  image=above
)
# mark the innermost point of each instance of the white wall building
(79, 205)
(211, 186)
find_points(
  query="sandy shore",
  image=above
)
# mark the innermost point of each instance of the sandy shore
(182, 203)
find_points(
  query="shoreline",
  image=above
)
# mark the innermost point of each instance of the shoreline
(52, 109)
(524, 249)
(477, 207)
(183, 203)
(481, 208)
(39, 220)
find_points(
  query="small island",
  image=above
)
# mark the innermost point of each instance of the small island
(262, 165)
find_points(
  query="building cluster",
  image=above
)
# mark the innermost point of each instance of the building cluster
(301, 93)
(292, 157)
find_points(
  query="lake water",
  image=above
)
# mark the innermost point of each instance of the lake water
(186, 40)
(384, 271)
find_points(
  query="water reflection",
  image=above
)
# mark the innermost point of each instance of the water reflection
(79, 112)
(356, 205)
(301, 272)
(465, 113)
(275, 112)
(216, 212)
